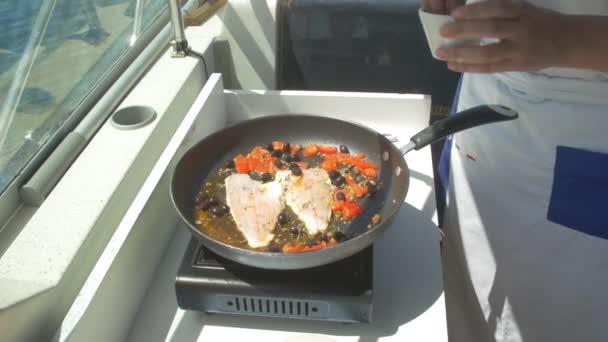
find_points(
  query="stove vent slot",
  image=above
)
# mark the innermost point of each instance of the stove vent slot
(273, 307)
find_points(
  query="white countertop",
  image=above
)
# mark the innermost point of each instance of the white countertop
(408, 300)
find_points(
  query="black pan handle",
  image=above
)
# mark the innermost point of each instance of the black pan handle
(461, 121)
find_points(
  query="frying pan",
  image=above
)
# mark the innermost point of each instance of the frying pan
(205, 158)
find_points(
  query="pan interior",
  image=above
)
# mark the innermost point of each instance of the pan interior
(205, 159)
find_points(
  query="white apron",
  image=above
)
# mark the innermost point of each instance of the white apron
(527, 214)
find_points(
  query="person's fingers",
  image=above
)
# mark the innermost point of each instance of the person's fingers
(502, 66)
(434, 6)
(486, 54)
(453, 4)
(477, 29)
(505, 9)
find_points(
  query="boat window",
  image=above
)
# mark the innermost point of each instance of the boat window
(53, 55)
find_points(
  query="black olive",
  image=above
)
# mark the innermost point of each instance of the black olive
(295, 158)
(338, 181)
(213, 201)
(274, 249)
(276, 153)
(295, 170)
(334, 174)
(287, 148)
(341, 196)
(230, 164)
(220, 210)
(294, 230)
(372, 188)
(324, 238)
(265, 177)
(200, 196)
(270, 148)
(339, 236)
(283, 218)
(344, 149)
(204, 204)
(288, 158)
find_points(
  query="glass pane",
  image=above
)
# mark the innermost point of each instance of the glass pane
(82, 40)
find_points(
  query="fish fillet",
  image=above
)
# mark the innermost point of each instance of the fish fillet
(310, 198)
(255, 207)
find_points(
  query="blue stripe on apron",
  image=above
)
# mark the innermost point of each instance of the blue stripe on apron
(580, 188)
(444, 161)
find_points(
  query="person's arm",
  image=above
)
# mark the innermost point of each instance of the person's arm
(585, 42)
(531, 38)
(440, 6)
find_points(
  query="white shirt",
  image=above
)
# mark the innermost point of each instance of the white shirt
(522, 198)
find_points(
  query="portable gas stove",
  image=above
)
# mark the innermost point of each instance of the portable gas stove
(339, 292)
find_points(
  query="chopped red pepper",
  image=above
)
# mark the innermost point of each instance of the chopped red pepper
(350, 180)
(337, 207)
(362, 165)
(351, 210)
(278, 145)
(255, 165)
(348, 192)
(348, 209)
(295, 148)
(360, 191)
(258, 160)
(325, 149)
(300, 248)
(329, 165)
(370, 173)
(345, 158)
(259, 152)
(241, 164)
(311, 150)
(349, 159)
(334, 156)
(315, 247)
(292, 249)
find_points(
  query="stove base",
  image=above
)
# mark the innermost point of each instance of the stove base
(341, 292)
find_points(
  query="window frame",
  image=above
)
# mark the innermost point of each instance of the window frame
(10, 199)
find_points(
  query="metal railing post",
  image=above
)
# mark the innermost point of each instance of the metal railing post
(179, 43)
(139, 9)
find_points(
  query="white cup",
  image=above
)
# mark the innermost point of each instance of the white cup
(432, 23)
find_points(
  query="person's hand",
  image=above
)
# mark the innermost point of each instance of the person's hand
(441, 6)
(529, 37)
